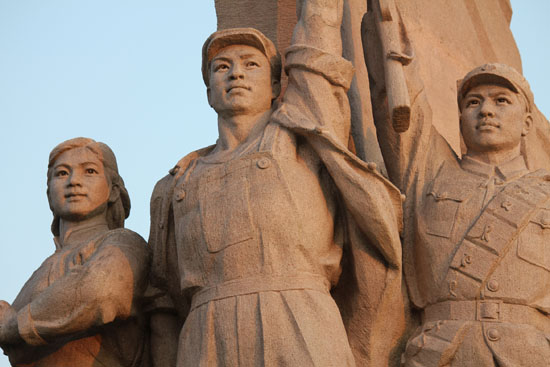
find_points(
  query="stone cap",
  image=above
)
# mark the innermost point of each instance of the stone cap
(239, 36)
(496, 73)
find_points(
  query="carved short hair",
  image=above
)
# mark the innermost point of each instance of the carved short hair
(118, 210)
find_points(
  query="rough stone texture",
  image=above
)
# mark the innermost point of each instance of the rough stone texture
(449, 38)
(475, 234)
(81, 307)
(475, 295)
(277, 18)
(262, 241)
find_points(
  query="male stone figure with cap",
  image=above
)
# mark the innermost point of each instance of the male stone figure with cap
(476, 254)
(248, 234)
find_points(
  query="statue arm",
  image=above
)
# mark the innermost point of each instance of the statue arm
(316, 106)
(92, 293)
(164, 322)
(319, 24)
(410, 154)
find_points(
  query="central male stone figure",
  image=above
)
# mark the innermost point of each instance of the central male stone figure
(248, 234)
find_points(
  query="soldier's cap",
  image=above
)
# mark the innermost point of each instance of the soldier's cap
(500, 74)
(239, 36)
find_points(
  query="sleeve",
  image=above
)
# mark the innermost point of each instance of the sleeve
(164, 288)
(316, 105)
(98, 289)
(368, 294)
(163, 279)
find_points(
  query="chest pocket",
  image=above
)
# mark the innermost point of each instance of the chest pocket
(440, 211)
(533, 245)
(225, 212)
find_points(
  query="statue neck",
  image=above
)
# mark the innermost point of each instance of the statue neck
(237, 129)
(495, 157)
(68, 230)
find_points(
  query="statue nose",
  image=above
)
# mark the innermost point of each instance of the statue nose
(486, 110)
(236, 72)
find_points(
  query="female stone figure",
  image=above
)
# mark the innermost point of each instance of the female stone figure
(81, 307)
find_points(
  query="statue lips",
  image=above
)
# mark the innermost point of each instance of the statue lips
(237, 87)
(75, 196)
(486, 125)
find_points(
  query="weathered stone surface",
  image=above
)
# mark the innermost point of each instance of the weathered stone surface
(252, 235)
(82, 306)
(449, 40)
(473, 262)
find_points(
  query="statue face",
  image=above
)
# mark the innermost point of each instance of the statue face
(78, 188)
(493, 118)
(240, 81)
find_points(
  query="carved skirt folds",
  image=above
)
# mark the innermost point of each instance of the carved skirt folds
(273, 328)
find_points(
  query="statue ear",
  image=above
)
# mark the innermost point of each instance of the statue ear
(115, 194)
(208, 95)
(527, 123)
(275, 89)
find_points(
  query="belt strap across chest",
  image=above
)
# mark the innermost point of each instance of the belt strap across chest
(499, 225)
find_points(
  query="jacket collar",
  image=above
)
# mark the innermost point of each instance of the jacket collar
(506, 171)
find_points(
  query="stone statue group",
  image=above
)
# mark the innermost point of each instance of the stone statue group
(278, 246)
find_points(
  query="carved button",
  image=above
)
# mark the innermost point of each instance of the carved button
(493, 335)
(320, 131)
(493, 285)
(403, 197)
(263, 163)
(174, 170)
(180, 195)
(506, 205)
(371, 166)
(466, 260)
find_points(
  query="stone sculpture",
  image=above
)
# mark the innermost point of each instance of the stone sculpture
(475, 228)
(248, 235)
(82, 306)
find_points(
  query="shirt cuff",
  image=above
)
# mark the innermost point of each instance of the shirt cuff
(335, 69)
(27, 331)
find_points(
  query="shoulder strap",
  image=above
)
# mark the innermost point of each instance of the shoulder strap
(270, 136)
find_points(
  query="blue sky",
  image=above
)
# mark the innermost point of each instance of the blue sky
(126, 73)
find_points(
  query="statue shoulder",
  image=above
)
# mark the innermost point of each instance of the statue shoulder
(164, 186)
(124, 236)
(127, 240)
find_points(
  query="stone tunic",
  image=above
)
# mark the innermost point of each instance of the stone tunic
(475, 250)
(80, 307)
(257, 239)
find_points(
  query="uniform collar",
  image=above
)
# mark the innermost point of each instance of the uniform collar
(506, 171)
(80, 235)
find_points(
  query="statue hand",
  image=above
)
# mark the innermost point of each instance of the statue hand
(9, 332)
(329, 11)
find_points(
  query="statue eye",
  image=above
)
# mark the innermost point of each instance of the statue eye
(472, 102)
(61, 173)
(221, 67)
(503, 100)
(91, 171)
(251, 64)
